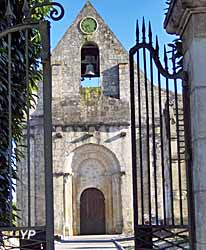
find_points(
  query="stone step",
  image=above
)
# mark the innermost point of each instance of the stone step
(84, 245)
(96, 242)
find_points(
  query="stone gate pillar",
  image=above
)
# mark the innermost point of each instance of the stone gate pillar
(188, 19)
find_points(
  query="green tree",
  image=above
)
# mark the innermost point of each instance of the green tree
(19, 93)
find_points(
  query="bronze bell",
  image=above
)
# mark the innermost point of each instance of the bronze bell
(89, 62)
(89, 70)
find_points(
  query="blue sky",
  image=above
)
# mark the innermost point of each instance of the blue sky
(120, 15)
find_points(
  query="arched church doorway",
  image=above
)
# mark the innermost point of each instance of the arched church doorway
(93, 167)
(92, 212)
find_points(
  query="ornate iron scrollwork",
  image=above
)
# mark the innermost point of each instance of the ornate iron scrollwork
(55, 12)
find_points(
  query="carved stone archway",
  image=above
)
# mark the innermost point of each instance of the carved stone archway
(93, 166)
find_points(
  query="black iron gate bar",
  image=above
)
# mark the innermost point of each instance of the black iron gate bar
(147, 91)
(28, 23)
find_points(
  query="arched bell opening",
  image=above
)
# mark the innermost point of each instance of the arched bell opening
(90, 60)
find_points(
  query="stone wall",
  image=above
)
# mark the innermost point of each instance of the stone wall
(99, 123)
(187, 19)
(91, 134)
(100, 141)
(91, 138)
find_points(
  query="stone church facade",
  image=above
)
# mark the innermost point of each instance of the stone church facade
(91, 135)
(91, 147)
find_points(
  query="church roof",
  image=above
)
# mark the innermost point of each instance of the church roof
(89, 10)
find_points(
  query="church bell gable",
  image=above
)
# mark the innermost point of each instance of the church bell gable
(89, 49)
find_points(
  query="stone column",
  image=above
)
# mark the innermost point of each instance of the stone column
(117, 206)
(75, 205)
(68, 220)
(188, 19)
(109, 205)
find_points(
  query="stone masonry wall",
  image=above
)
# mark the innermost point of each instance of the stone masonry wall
(91, 134)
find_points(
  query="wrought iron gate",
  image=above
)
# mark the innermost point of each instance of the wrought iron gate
(160, 127)
(25, 233)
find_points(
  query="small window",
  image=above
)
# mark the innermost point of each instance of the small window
(90, 61)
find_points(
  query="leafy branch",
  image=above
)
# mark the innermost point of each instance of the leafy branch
(18, 98)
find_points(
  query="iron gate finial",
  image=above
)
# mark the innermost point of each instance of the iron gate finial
(26, 9)
(165, 58)
(137, 31)
(150, 33)
(157, 47)
(9, 15)
(143, 31)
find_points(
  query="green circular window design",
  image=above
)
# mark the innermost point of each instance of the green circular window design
(88, 25)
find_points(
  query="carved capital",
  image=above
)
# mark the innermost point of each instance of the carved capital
(173, 16)
(193, 3)
(179, 14)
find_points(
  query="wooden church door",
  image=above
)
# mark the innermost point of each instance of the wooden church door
(92, 212)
